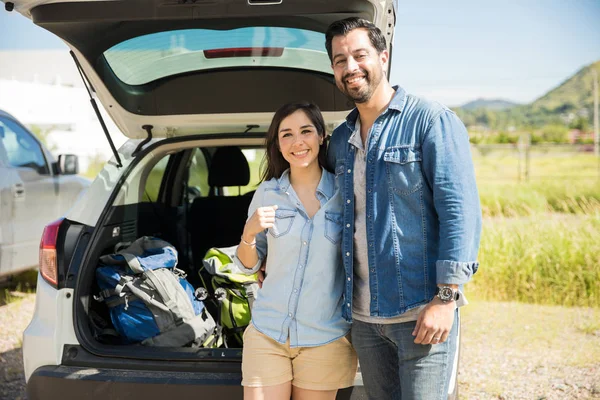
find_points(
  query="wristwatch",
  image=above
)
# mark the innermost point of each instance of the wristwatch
(447, 293)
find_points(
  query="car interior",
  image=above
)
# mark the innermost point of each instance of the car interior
(196, 199)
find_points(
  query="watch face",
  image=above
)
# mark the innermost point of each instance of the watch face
(446, 293)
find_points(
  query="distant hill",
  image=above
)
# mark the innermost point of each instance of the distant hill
(572, 95)
(569, 104)
(490, 104)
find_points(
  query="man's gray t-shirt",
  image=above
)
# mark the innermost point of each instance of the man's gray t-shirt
(361, 298)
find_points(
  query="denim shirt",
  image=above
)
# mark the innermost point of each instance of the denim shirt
(423, 211)
(301, 297)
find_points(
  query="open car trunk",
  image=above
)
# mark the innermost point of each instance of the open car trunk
(178, 191)
(184, 66)
(171, 190)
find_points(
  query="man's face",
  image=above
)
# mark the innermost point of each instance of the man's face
(357, 67)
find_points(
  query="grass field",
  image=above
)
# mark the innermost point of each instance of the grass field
(541, 238)
(550, 259)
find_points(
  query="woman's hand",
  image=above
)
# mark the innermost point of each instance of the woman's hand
(263, 218)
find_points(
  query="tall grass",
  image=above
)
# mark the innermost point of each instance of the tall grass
(527, 199)
(547, 260)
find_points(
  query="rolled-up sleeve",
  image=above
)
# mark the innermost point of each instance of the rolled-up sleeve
(448, 169)
(261, 237)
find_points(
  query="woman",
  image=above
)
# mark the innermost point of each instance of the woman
(296, 344)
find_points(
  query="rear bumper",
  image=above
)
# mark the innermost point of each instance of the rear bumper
(66, 383)
(76, 383)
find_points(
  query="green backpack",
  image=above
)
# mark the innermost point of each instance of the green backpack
(233, 291)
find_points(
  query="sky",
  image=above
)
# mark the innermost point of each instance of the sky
(454, 51)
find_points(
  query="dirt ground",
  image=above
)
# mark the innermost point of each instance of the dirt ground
(509, 350)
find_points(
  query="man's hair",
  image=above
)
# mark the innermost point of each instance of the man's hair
(345, 26)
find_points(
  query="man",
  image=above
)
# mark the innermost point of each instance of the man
(412, 221)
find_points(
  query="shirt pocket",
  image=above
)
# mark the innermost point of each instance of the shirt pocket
(283, 222)
(404, 169)
(333, 226)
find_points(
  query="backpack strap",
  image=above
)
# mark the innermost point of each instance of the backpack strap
(164, 294)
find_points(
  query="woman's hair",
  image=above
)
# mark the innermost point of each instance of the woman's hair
(274, 161)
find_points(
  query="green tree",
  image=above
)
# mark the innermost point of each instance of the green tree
(555, 133)
(581, 123)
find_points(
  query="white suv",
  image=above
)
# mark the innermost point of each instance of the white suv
(34, 190)
(193, 84)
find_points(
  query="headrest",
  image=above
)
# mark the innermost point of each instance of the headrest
(229, 167)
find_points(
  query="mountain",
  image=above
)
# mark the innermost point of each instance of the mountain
(490, 104)
(573, 95)
(569, 104)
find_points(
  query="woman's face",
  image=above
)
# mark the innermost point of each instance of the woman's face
(299, 140)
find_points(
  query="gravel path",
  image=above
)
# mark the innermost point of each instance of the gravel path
(510, 351)
(14, 318)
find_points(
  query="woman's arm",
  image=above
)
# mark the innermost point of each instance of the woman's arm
(262, 218)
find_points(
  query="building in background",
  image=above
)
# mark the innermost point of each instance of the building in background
(43, 90)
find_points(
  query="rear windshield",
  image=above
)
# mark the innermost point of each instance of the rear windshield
(150, 57)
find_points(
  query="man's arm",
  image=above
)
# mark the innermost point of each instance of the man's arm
(449, 172)
(448, 169)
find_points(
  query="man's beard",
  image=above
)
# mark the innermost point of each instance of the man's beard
(364, 93)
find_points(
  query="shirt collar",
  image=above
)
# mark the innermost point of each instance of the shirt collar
(397, 103)
(325, 188)
(355, 139)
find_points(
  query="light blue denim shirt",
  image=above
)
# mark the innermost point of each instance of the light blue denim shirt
(301, 297)
(423, 214)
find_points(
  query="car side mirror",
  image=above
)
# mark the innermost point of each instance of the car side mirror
(68, 164)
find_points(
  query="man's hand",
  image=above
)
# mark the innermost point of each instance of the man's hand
(261, 273)
(435, 322)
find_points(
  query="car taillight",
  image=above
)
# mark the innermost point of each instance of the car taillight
(244, 52)
(48, 259)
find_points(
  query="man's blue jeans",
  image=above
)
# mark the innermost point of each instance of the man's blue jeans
(394, 367)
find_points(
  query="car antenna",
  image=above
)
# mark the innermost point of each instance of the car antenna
(90, 88)
(250, 127)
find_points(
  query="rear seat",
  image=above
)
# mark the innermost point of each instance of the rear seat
(218, 220)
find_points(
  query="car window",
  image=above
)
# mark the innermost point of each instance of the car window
(198, 174)
(154, 180)
(150, 57)
(22, 150)
(254, 157)
(197, 184)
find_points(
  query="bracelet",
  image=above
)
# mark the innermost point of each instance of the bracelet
(253, 243)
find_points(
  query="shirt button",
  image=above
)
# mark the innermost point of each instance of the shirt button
(372, 269)
(304, 243)
(290, 314)
(374, 298)
(348, 278)
(299, 266)
(371, 244)
(347, 225)
(348, 201)
(347, 254)
(348, 304)
(349, 170)
(295, 290)
(369, 190)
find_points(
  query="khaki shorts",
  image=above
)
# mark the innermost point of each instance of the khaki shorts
(266, 362)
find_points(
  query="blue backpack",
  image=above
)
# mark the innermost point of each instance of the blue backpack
(149, 300)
